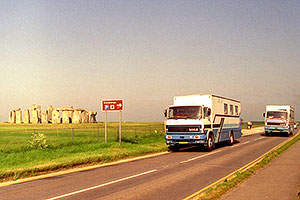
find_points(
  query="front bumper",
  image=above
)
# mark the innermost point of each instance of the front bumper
(185, 140)
(277, 129)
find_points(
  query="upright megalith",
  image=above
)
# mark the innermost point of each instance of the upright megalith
(44, 117)
(12, 116)
(55, 116)
(39, 112)
(84, 117)
(18, 116)
(34, 117)
(92, 116)
(50, 110)
(77, 117)
(26, 117)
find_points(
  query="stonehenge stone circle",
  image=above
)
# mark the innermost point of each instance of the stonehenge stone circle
(65, 115)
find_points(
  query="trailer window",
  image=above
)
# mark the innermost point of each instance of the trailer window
(276, 114)
(231, 109)
(236, 110)
(225, 108)
(185, 112)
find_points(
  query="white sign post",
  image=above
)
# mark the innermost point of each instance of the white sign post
(113, 105)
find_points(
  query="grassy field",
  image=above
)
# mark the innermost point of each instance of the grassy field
(71, 145)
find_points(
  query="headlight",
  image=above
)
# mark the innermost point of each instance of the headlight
(169, 137)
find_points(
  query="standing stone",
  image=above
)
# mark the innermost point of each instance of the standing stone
(13, 119)
(77, 117)
(39, 110)
(10, 117)
(19, 116)
(92, 116)
(26, 117)
(55, 117)
(50, 110)
(44, 117)
(34, 117)
(84, 117)
(67, 116)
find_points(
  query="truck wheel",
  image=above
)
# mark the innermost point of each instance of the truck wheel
(231, 139)
(267, 133)
(210, 144)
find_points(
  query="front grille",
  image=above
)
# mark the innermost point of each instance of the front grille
(183, 128)
(275, 124)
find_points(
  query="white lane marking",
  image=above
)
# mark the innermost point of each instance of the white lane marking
(259, 138)
(199, 157)
(102, 185)
(240, 144)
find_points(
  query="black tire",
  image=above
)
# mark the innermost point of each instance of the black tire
(210, 144)
(231, 139)
(267, 133)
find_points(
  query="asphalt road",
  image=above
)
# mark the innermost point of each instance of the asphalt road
(170, 176)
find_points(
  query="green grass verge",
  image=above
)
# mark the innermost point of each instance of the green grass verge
(73, 145)
(217, 191)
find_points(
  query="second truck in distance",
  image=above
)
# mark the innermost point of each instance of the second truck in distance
(279, 119)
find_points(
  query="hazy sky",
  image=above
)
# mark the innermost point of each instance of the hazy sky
(77, 53)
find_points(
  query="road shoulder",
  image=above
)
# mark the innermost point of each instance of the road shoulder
(278, 180)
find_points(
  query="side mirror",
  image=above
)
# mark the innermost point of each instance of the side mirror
(208, 112)
(264, 114)
(165, 113)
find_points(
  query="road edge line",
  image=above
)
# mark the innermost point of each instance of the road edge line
(79, 169)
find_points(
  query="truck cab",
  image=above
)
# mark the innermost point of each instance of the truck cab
(279, 119)
(201, 120)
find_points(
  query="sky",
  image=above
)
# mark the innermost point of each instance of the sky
(78, 53)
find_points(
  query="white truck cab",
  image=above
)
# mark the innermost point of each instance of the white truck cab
(203, 119)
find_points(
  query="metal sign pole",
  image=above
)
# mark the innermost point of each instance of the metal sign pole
(120, 128)
(105, 125)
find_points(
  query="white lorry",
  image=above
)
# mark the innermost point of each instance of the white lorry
(279, 119)
(203, 119)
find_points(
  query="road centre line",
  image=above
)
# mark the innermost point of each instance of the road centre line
(195, 158)
(259, 138)
(237, 145)
(102, 185)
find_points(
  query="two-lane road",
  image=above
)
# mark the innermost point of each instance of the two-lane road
(170, 176)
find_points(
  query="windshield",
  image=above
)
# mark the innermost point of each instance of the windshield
(276, 114)
(185, 112)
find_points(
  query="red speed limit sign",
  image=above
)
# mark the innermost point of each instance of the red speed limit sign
(113, 105)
